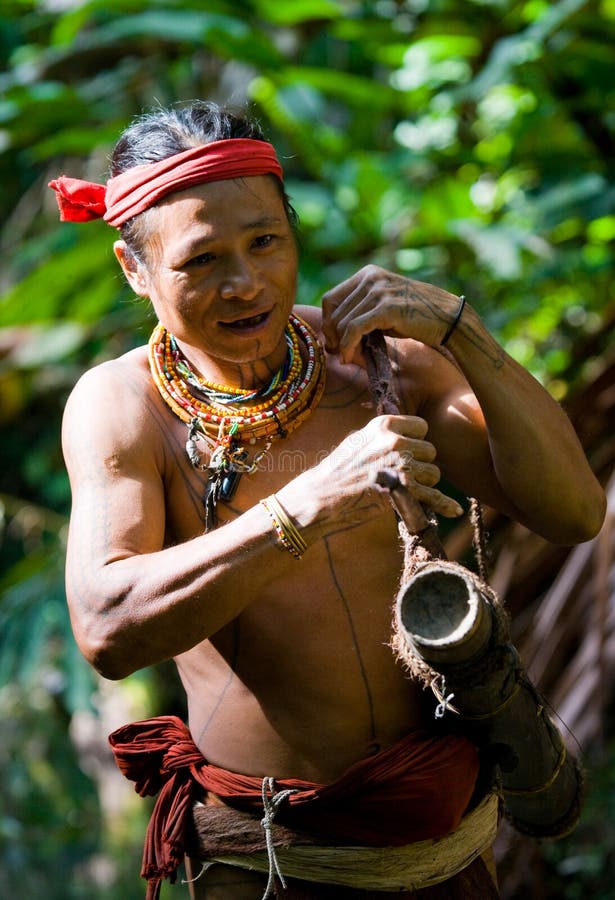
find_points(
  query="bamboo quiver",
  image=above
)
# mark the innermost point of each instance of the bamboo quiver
(451, 631)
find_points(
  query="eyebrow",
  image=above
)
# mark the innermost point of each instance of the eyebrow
(253, 225)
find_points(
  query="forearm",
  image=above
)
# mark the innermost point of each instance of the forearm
(133, 609)
(139, 609)
(537, 458)
(134, 604)
(534, 467)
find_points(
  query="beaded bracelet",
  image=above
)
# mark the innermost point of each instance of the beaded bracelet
(287, 532)
(455, 322)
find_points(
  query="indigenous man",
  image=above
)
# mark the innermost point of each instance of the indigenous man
(226, 516)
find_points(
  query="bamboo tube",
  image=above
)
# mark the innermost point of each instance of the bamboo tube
(446, 618)
(450, 630)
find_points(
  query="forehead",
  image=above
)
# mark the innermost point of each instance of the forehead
(221, 203)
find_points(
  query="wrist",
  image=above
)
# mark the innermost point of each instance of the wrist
(321, 501)
(288, 534)
(471, 344)
(303, 500)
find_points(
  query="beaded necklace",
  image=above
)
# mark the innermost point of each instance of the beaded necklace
(224, 395)
(211, 413)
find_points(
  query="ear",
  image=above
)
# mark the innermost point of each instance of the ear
(135, 272)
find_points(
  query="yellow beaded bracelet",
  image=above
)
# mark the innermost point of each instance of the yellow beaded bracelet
(287, 532)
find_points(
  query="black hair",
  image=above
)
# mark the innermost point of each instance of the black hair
(164, 132)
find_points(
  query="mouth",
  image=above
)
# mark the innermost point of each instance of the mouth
(246, 324)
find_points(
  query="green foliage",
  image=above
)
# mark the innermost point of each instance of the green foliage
(466, 142)
(44, 779)
(583, 865)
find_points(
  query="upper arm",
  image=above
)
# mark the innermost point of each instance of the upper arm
(114, 465)
(457, 429)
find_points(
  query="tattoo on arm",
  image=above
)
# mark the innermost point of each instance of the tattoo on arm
(488, 347)
(417, 303)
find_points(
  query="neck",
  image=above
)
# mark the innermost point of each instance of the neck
(251, 375)
(284, 405)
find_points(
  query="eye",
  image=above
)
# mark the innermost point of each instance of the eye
(263, 240)
(201, 260)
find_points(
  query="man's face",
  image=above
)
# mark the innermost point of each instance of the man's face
(221, 272)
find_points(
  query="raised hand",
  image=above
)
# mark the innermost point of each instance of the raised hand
(344, 484)
(376, 298)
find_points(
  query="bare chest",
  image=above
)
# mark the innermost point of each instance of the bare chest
(306, 669)
(345, 408)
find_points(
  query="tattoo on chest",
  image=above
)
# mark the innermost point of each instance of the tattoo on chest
(232, 663)
(355, 641)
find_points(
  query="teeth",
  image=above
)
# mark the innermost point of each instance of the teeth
(241, 323)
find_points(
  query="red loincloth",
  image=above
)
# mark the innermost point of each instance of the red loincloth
(416, 789)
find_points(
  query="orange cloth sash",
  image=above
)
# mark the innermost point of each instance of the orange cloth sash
(416, 789)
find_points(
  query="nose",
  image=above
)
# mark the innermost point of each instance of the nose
(241, 279)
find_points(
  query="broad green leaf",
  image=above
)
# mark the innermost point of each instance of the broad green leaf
(74, 141)
(436, 60)
(40, 345)
(228, 35)
(173, 25)
(514, 51)
(80, 283)
(571, 195)
(499, 247)
(352, 89)
(299, 11)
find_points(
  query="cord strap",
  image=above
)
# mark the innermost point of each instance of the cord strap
(455, 322)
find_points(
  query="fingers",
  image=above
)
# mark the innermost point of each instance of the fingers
(376, 298)
(434, 499)
(407, 508)
(404, 436)
(336, 302)
(349, 311)
(345, 487)
(421, 472)
(356, 325)
(411, 457)
(405, 426)
(409, 497)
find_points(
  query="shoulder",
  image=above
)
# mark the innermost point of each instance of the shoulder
(312, 315)
(111, 409)
(111, 387)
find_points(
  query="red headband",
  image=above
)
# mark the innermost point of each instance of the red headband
(136, 189)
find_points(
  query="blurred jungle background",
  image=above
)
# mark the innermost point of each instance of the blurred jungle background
(466, 142)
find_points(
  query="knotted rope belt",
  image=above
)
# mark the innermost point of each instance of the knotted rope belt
(388, 869)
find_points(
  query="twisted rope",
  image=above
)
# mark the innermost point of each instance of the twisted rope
(272, 800)
(380, 378)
